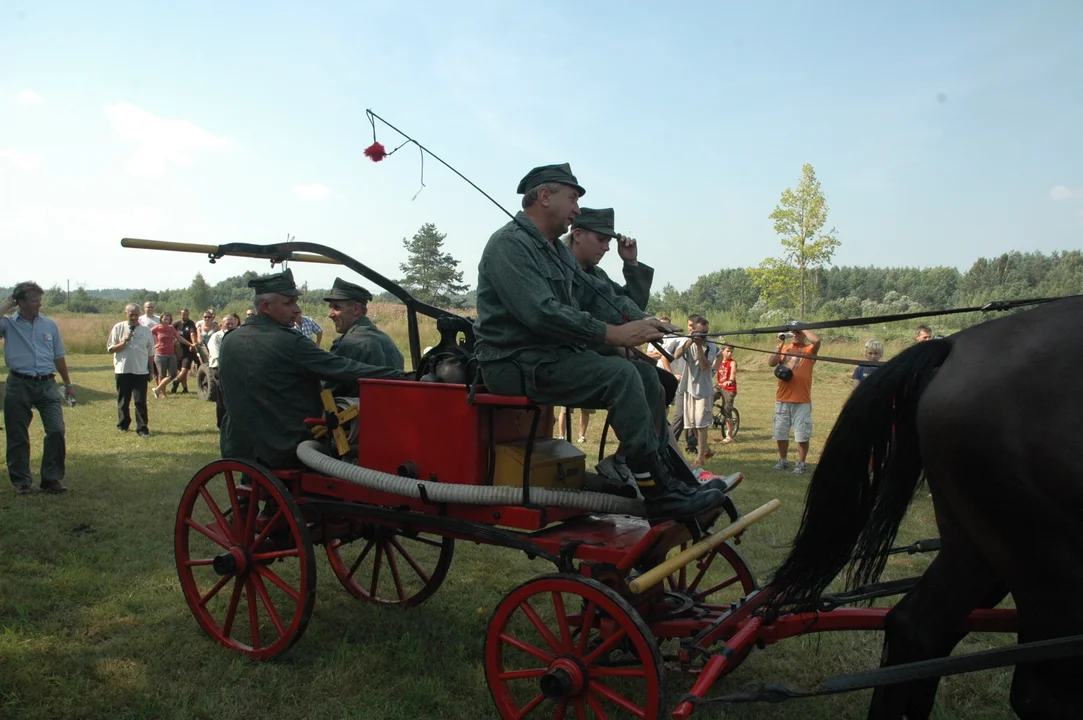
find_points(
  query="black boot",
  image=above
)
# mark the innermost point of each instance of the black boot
(683, 473)
(173, 390)
(668, 499)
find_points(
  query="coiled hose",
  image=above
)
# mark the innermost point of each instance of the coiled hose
(310, 453)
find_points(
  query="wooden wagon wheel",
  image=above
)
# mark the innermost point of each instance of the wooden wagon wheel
(560, 645)
(244, 558)
(705, 580)
(388, 567)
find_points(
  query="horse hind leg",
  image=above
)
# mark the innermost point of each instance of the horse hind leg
(925, 623)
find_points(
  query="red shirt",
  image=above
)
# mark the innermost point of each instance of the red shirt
(164, 339)
(727, 375)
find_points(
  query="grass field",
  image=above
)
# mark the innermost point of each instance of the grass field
(93, 623)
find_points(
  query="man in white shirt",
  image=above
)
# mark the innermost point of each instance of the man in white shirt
(148, 319)
(132, 345)
(214, 349)
(698, 356)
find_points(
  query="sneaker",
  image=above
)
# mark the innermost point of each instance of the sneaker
(782, 464)
(582, 439)
(24, 490)
(799, 468)
(143, 433)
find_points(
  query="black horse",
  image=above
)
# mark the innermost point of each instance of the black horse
(990, 416)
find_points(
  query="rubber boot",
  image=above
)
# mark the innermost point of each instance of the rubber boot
(668, 499)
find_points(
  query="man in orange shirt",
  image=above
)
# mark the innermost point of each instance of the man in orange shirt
(793, 398)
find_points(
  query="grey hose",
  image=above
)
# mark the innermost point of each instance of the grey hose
(310, 454)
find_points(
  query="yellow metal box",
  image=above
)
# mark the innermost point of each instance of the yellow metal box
(553, 464)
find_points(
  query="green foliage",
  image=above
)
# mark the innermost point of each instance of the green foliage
(200, 293)
(430, 273)
(799, 218)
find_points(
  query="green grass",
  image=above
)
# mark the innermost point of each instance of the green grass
(93, 623)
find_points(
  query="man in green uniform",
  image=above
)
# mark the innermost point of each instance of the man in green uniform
(359, 339)
(592, 230)
(271, 375)
(534, 331)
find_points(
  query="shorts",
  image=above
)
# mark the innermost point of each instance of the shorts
(189, 359)
(726, 406)
(166, 364)
(697, 412)
(795, 415)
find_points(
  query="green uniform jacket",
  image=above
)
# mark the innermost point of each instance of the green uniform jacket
(637, 288)
(270, 378)
(533, 297)
(365, 343)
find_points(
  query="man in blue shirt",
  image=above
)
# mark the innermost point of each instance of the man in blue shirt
(33, 353)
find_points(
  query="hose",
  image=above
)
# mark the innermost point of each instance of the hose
(310, 454)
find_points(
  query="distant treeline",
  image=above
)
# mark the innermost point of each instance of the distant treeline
(732, 293)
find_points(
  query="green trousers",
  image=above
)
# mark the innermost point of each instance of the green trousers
(629, 390)
(20, 399)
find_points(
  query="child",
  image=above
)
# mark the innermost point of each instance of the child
(874, 351)
(727, 388)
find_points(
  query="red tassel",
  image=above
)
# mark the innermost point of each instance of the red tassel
(376, 152)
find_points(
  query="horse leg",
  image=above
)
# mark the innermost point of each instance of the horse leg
(925, 623)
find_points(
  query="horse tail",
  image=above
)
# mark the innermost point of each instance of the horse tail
(866, 478)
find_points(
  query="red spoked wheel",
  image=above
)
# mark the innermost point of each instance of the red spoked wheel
(721, 577)
(244, 558)
(388, 567)
(565, 646)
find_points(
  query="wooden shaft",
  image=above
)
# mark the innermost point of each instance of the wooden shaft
(667, 567)
(213, 250)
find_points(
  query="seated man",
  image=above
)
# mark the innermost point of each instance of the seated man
(359, 339)
(534, 329)
(270, 377)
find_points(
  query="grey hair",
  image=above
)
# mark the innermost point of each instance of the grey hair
(130, 306)
(268, 297)
(875, 345)
(531, 195)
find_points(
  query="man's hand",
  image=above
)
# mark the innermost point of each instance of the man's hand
(637, 332)
(628, 250)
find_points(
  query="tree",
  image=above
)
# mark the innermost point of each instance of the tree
(430, 273)
(200, 293)
(799, 218)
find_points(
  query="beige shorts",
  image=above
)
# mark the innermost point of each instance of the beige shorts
(795, 415)
(697, 412)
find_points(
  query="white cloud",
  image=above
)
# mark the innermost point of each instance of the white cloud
(20, 159)
(159, 141)
(29, 97)
(315, 191)
(1062, 192)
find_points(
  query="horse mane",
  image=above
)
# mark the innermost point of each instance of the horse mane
(864, 482)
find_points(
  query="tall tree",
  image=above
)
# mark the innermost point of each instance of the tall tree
(799, 219)
(430, 273)
(200, 293)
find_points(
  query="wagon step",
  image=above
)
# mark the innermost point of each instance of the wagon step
(1031, 652)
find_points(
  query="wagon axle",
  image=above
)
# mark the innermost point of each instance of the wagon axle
(233, 562)
(566, 678)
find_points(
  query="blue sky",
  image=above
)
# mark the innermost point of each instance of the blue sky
(941, 132)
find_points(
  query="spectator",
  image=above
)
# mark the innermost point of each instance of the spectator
(726, 376)
(207, 326)
(308, 327)
(249, 312)
(669, 344)
(132, 345)
(190, 357)
(874, 352)
(923, 333)
(33, 350)
(793, 397)
(679, 368)
(165, 355)
(148, 320)
(214, 348)
(698, 354)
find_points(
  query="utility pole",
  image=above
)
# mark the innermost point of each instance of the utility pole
(69, 295)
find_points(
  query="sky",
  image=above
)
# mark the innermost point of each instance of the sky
(941, 132)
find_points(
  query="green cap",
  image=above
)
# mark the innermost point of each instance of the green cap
(281, 283)
(550, 174)
(599, 221)
(343, 290)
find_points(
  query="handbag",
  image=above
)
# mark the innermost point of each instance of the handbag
(783, 373)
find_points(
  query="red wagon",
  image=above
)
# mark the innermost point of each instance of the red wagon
(436, 464)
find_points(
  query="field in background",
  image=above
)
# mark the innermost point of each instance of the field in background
(93, 623)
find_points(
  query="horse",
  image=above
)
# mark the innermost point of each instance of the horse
(989, 418)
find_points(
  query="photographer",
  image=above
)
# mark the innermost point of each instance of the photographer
(34, 354)
(793, 398)
(132, 345)
(696, 386)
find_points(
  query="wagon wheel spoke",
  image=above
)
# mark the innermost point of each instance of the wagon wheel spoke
(231, 610)
(360, 559)
(253, 510)
(526, 647)
(426, 541)
(580, 709)
(562, 623)
(253, 612)
(234, 502)
(394, 568)
(530, 706)
(204, 530)
(617, 672)
(204, 599)
(561, 709)
(597, 688)
(198, 563)
(267, 529)
(376, 569)
(599, 713)
(279, 582)
(609, 643)
(523, 674)
(588, 622)
(536, 621)
(219, 518)
(410, 558)
(277, 554)
(701, 594)
(268, 605)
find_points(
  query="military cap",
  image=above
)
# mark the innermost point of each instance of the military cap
(281, 283)
(550, 174)
(599, 221)
(343, 290)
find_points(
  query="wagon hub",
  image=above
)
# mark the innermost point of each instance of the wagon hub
(566, 678)
(232, 562)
